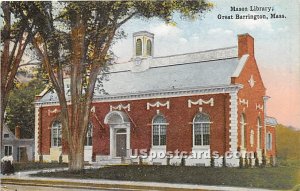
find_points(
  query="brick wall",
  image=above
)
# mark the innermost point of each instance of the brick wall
(179, 116)
(253, 95)
(271, 130)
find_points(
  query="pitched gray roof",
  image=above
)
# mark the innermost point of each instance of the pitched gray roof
(186, 75)
(201, 69)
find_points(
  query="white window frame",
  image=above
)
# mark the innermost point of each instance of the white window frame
(90, 128)
(12, 151)
(59, 134)
(159, 130)
(201, 123)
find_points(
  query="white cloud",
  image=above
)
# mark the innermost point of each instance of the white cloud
(219, 31)
(168, 39)
(183, 40)
(283, 29)
(163, 30)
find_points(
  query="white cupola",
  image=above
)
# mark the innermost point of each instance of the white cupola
(143, 42)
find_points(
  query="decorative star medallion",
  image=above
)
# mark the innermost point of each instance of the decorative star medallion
(251, 81)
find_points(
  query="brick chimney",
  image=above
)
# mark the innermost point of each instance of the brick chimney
(245, 45)
(17, 132)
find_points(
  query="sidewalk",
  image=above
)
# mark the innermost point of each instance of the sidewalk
(23, 178)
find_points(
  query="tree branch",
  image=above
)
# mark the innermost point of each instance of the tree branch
(126, 19)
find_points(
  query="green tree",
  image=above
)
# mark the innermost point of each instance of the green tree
(17, 30)
(20, 107)
(78, 36)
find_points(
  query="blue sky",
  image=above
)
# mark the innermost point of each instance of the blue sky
(276, 46)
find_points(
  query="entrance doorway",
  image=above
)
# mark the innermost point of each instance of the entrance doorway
(22, 154)
(121, 143)
(119, 125)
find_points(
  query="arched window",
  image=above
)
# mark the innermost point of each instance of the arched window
(259, 133)
(201, 128)
(89, 135)
(159, 131)
(138, 47)
(56, 134)
(149, 48)
(243, 131)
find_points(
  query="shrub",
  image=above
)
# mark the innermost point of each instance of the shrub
(93, 157)
(263, 161)
(250, 162)
(241, 162)
(168, 160)
(224, 161)
(182, 161)
(212, 161)
(41, 158)
(60, 160)
(246, 162)
(272, 160)
(256, 162)
(140, 160)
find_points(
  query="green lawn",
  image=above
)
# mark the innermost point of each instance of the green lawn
(272, 178)
(37, 166)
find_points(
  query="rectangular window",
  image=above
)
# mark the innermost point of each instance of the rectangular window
(59, 137)
(56, 137)
(156, 135)
(201, 134)
(205, 134)
(198, 134)
(162, 135)
(88, 141)
(159, 135)
(7, 150)
(6, 135)
(269, 141)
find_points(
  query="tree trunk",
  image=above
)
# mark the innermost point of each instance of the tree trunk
(1, 124)
(78, 136)
(76, 162)
(76, 158)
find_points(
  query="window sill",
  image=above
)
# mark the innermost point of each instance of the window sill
(206, 147)
(158, 147)
(56, 147)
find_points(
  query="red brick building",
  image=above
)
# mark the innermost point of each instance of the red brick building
(209, 101)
